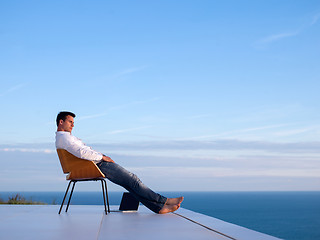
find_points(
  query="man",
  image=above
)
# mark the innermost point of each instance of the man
(114, 172)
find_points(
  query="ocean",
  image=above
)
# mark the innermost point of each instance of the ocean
(287, 215)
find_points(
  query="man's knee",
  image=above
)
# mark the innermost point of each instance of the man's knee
(135, 180)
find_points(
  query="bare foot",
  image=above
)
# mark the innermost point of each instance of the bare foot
(169, 208)
(174, 201)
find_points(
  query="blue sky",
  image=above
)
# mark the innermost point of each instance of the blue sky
(190, 95)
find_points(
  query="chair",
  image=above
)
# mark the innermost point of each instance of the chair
(81, 170)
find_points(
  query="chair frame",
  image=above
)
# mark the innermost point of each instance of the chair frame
(104, 193)
(80, 170)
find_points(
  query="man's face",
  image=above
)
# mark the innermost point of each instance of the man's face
(67, 124)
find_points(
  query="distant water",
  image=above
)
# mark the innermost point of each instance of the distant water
(287, 215)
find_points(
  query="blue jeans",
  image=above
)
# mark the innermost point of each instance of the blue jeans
(119, 175)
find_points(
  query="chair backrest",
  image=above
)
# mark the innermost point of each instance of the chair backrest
(78, 168)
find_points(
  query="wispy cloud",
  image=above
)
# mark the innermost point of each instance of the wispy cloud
(199, 162)
(277, 37)
(129, 71)
(13, 89)
(31, 150)
(235, 132)
(288, 34)
(297, 131)
(81, 118)
(138, 102)
(210, 172)
(118, 107)
(185, 146)
(199, 116)
(128, 130)
(92, 116)
(315, 19)
(217, 145)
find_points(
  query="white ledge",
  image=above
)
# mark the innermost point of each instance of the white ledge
(90, 222)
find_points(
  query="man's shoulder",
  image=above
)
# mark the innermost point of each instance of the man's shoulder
(63, 136)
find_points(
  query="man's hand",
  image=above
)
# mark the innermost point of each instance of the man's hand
(107, 159)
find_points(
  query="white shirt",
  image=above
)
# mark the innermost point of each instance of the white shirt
(64, 140)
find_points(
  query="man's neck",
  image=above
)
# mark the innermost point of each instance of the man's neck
(59, 130)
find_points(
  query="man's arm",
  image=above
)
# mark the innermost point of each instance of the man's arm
(76, 147)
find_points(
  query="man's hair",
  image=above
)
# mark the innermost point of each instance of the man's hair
(63, 116)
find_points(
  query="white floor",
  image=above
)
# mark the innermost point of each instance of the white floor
(90, 222)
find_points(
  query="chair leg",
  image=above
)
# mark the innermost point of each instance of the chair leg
(105, 184)
(104, 197)
(74, 183)
(64, 198)
(104, 192)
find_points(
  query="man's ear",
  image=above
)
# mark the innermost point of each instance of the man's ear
(61, 121)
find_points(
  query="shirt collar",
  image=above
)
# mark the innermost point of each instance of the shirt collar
(63, 132)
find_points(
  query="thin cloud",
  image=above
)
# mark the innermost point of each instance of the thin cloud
(296, 131)
(32, 150)
(230, 145)
(232, 133)
(288, 34)
(127, 130)
(199, 116)
(277, 37)
(129, 71)
(12, 89)
(213, 172)
(315, 19)
(92, 116)
(134, 103)
(81, 118)
(217, 145)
